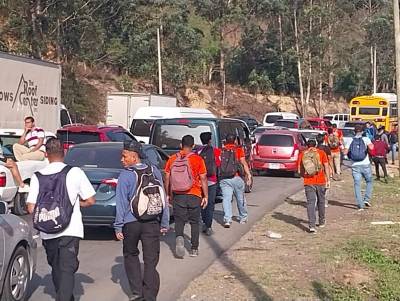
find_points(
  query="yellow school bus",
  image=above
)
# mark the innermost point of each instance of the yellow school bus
(371, 108)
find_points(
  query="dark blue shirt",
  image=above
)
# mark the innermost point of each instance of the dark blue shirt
(126, 186)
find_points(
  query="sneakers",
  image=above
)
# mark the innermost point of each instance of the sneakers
(321, 225)
(227, 224)
(360, 209)
(312, 230)
(180, 247)
(208, 232)
(243, 221)
(194, 253)
(367, 204)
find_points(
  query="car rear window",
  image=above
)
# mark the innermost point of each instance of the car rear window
(169, 136)
(272, 118)
(286, 124)
(348, 132)
(276, 140)
(141, 127)
(102, 157)
(77, 138)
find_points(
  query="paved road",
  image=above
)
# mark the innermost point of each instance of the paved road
(101, 275)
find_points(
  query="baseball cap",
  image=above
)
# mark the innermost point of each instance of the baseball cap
(134, 146)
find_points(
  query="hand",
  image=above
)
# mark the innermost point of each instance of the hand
(248, 180)
(119, 235)
(328, 185)
(163, 230)
(204, 203)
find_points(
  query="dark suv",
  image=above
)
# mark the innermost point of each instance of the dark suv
(79, 133)
(167, 133)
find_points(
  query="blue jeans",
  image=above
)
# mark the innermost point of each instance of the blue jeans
(359, 172)
(393, 148)
(230, 187)
(207, 214)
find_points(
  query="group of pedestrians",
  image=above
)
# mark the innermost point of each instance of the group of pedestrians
(143, 203)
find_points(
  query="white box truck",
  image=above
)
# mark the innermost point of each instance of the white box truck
(122, 106)
(28, 87)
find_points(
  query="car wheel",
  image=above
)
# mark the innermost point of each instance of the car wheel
(17, 277)
(20, 204)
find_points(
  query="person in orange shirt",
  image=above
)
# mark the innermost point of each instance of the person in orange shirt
(186, 182)
(313, 166)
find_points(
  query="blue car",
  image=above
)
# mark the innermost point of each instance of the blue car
(101, 162)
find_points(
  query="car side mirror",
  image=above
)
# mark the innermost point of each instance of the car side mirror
(3, 208)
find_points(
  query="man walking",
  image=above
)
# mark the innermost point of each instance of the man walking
(231, 183)
(334, 142)
(380, 152)
(140, 208)
(35, 138)
(313, 166)
(186, 183)
(210, 156)
(393, 141)
(69, 189)
(357, 152)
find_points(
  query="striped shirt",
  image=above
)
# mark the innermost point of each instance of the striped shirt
(33, 136)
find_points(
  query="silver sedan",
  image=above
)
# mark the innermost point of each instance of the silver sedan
(17, 256)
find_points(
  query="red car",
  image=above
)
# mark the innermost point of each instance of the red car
(319, 123)
(79, 133)
(278, 150)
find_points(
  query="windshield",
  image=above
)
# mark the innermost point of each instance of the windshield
(328, 117)
(313, 122)
(348, 132)
(272, 118)
(78, 138)
(286, 124)
(141, 127)
(169, 136)
(368, 111)
(276, 140)
(103, 157)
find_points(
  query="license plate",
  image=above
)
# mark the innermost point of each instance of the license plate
(274, 166)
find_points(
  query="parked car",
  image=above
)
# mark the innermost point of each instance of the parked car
(271, 118)
(278, 150)
(310, 134)
(17, 256)
(251, 122)
(339, 119)
(74, 134)
(319, 123)
(293, 124)
(101, 162)
(167, 134)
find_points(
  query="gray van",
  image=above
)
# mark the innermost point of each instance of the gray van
(167, 133)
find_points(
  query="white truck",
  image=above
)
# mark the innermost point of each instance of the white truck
(28, 87)
(122, 106)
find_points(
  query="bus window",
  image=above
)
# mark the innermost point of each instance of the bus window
(384, 111)
(393, 110)
(353, 111)
(368, 111)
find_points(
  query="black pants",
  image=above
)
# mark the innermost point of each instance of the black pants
(149, 234)
(187, 209)
(62, 256)
(207, 214)
(315, 195)
(382, 162)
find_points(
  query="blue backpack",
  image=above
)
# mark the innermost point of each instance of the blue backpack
(53, 209)
(357, 150)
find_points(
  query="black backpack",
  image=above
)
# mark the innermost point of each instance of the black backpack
(148, 201)
(393, 138)
(207, 153)
(229, 164)
(53, 209)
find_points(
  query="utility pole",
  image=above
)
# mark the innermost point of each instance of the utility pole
(396, 15)
(160, 85)
(375, 70)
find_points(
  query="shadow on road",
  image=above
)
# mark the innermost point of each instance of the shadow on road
(118, 275)
(48, 289)
(340, 204)
(292, 220)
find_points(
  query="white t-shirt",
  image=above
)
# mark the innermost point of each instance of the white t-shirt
(33, 136)
(366, 161)
(78, 186)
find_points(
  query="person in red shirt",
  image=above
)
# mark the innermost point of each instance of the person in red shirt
(187, 204)
(381, 149)
(233, 159)
(314, 184)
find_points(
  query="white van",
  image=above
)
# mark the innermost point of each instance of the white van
(271, 118)
(145, 116)
(339, 119)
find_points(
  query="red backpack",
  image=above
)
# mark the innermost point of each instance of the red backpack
(181, 176)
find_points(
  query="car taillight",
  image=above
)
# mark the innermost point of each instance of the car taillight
(3, 180)
(255, 149)
(110, 182)
(67, 145)
(295, 152)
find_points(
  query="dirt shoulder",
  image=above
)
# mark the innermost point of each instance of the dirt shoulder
(350, 259)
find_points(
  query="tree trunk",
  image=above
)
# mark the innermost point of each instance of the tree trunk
(375, 72)
(222, 67)
(330, 54)
(281, 41)
(308, 95)
(35, 44)
(299, 69)
(319, 113)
